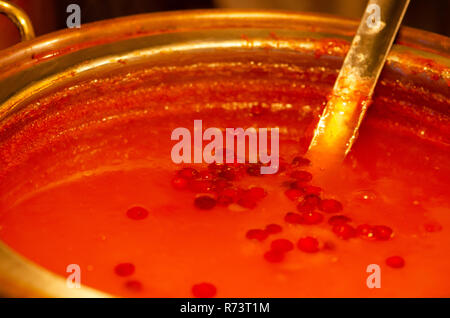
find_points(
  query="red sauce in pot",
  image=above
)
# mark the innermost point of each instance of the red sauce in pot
(87, 179)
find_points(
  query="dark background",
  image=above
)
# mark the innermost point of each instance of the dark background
(50, 15)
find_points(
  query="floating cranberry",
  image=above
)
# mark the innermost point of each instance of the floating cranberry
(338, 219)
(273, 228)
(300, 185)
(282, 245)
(256, 193)
(134, 285)
(366, 231)
(312, 218)
(301, 175)
(137, 213)
(309, 203)
(308, 244)
(312, 190)
(344, 231)
(180, 183)
(201, 186)
(330, 206)
(206, 175)
(124, 269)
(395, 261)
(300, 161)
(205, 202)
(382, 232)
(187, 173)
(294, 194)
(228, 174)
(256, 234)
(293, 218)
(204, 290)
(274, 256)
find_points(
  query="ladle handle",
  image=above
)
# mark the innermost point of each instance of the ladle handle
(373, 40)
(351, 96)
(19, 18)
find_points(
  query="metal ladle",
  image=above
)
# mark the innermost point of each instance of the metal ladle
(338, 126)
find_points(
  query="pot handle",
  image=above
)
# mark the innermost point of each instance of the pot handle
(20, 19)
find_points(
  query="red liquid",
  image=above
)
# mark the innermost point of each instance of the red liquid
(99, 149)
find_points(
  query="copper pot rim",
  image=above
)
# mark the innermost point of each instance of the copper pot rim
(66, 41)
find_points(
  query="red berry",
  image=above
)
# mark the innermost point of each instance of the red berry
(282, 245)
(293, 218)
(395, 261)
(312, 218)
(309, 203)
(338, 219)
(273, 228)
(205, 202)
(187, 173)
(382, 232)
(134, 285)
(294, 194)
(204, 290)
(301, 175)
(274, 256)
(137, 213)
(256, 234)
(300, 161)
(206, 175)
(344, 231)
(256, 193)
(330, 206)
(308, 244)
(228, 174)
(366, 231)
(124, 269)
(200, 186)
(312, 190)
(298, 185)
(180, 183)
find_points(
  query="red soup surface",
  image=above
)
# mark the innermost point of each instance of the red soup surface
(87, 179)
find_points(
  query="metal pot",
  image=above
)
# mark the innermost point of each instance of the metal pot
(39, 66)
